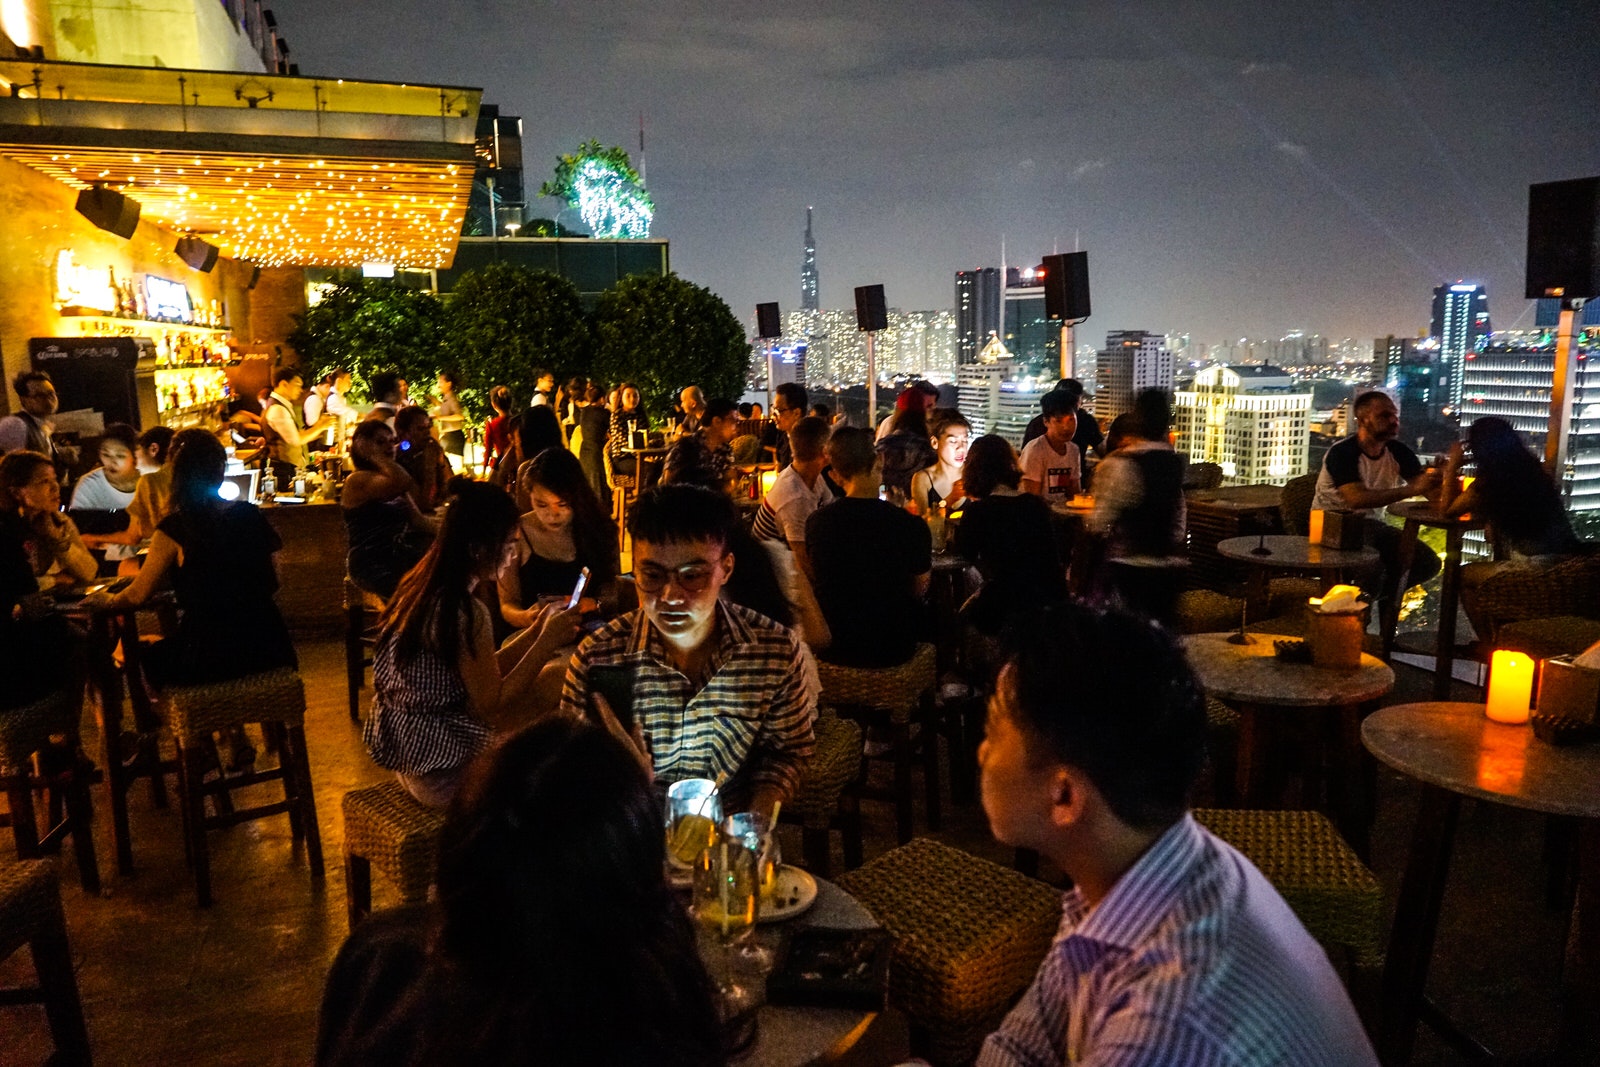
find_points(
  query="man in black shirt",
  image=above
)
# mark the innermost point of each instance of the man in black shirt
(788, 408)
(872, 561)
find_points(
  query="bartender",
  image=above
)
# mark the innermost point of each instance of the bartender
(286, 436)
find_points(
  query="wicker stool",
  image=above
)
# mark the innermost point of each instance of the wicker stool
(386, 826)
(277, 700)
(897, 697)
(361, 611)
(823, 801)
(25, 734)
(968, 937)
(1335, 896)
(1206, 611)
(30, 914)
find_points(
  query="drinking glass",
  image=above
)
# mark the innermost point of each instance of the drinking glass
(754, 831)
(723, 903)
(693, 811)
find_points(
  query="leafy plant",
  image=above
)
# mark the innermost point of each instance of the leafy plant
(608, 193)
(507, 322)
(370, 325)
(663, 333)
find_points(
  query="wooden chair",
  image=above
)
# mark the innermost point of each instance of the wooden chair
(31, 760)
(30, 914)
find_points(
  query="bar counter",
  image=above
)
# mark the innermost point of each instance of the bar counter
(310, 565)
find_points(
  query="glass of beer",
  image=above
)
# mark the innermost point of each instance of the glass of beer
(693, 811)
(723, 903)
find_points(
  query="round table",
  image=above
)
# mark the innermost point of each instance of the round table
(801, 1035)
(1456, 751)
(1419, 513)
(1288, 552)
(1252, 679)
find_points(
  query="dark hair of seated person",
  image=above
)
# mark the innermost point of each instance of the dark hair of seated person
(1517, 497)
(677, 511)
(1134, 720)
(991, 462)
(537, 429)
(554, 937)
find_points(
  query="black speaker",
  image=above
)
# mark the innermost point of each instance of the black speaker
(109, 210)
(197, 253)
(871, 315)
(1564, 239)
(1066, 286)
(767, 326)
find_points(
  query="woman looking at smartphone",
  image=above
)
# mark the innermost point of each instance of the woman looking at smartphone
(563, 532)
(441, 689)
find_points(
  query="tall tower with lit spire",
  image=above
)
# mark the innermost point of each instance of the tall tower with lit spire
(808, 271)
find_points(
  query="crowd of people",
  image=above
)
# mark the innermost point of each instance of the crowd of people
(527, 684)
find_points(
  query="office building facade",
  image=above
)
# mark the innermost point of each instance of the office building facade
(1133, 360)
(1252, 421)
(978, 308)
(1461, 325)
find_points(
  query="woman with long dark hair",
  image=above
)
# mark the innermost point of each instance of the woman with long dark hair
(1512, 492)
(564, 530)
(440, 687)
(217, 556)
(554, 937)
(386, 532)
(38, 649)
(1006, 534)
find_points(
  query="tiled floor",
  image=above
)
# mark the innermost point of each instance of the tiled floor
(164, 982)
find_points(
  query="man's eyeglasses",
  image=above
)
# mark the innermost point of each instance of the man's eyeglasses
(691, 578)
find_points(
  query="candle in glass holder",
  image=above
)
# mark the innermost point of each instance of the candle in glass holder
(1315, 534)
(1510, 687)
(768, 480)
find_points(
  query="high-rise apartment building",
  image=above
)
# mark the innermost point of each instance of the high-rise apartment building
(1132, 360)
(1252, 421)
(915, 343)
(1512, 377)
(1461, 323)
(978, 306)
(808, 270)
(995, 400)
(1032, 338)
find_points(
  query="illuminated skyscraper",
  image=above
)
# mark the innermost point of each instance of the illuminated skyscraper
(1132, 360)
(1249, 420)
(808, 271)
(977, 311)
(1461, 323)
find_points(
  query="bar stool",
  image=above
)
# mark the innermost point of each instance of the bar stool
(30, 914)
(968, 937)
(26, 756)
(824, 801)
(361, 612)
(898, 697)
(277, 700)
(386, 827)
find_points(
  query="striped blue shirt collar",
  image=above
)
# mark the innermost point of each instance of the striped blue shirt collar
(1145, 894)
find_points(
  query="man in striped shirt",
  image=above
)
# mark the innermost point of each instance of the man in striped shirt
(716, 688)
(1173, 948)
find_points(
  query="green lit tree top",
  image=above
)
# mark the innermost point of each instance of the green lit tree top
(608, 193)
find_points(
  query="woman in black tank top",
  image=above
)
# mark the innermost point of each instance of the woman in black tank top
(564, 531)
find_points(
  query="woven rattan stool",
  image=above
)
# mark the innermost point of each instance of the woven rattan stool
(1206, 611)
(968, 937)
(30, 914)
(385, 827)
(895, 697)
(277, 700)
(28, 761)
(824, 800)
(1319, 876)
(361, 611)
(1561, 635)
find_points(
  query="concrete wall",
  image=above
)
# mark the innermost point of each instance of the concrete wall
(191, 34)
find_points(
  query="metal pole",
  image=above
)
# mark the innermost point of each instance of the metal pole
(1561, 389)
(768, 345)
(872, 384)
(1067, 355)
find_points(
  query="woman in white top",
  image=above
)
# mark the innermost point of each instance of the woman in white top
(110, 487)
(448, 417)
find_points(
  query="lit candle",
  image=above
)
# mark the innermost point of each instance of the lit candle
(1315, 536)
(1510, 687)
(768, 480)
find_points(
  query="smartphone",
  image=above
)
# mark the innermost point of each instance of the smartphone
(577, 589)
(614, 681)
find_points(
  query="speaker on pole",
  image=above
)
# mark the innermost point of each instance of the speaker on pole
(871, 315)
(197, 253)
(1564, 239)
(109, 210)
(767, 326)
(1066, 286)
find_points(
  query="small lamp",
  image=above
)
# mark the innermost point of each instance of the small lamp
(1510, 687)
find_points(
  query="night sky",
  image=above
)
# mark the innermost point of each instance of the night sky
(1234, 169)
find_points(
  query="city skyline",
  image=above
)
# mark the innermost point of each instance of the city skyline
(1231, 171)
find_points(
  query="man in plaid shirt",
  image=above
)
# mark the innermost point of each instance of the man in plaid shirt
(716, 688)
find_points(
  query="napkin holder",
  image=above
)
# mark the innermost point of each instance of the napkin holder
(1336, 636)
(1342, 529)
(1568, 690)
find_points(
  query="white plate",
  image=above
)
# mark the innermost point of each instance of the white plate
(796, 892)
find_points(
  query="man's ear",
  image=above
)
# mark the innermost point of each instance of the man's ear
(727, 566)
(1070, 794)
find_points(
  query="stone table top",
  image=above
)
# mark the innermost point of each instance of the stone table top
(1424, 513)
(1294, 552)
(1253, 674)
(1456, 747)
(799, 1035)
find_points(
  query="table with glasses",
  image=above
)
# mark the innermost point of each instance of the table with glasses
(1274, 693)
(1455, 751)
(640, 455)
(1417, 514)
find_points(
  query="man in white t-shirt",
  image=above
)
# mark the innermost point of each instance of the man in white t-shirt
(799, 490)
(1052, 467)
